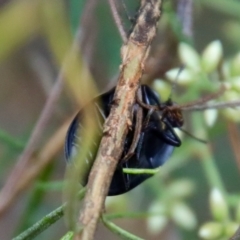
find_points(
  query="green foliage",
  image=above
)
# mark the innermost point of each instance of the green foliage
(178, 193)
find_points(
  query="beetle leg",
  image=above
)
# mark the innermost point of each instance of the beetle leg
(146, 106)
(139, 146)
(125, 176)
(137, 131)
(172, 139)
(146, 120)
(192, 136)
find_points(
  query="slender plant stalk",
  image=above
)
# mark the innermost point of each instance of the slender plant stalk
(141, 171)
(117, 19)
(68, 236)
(11, 141)
(134, 54)
(119, 231)
(46, 221)
(41, 225)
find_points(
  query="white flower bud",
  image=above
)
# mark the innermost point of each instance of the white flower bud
(212, 56)
(236, 82)
(231, 95)
(232, 113)
(234, 66)
(162, 88)
(238, 212)
(189, 56)
(218, 205)
(158, 222)
(230, 229)
(211, 230)
(184, 78)
(210, 116)
(181, 188)
(226, 69)
(183, 216)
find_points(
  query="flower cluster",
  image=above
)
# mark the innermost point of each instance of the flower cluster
(205, 72)
(222, 226)
(173, 208)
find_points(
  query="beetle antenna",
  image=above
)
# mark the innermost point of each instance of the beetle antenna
(192, 136)
(131, 19)
(188, 106)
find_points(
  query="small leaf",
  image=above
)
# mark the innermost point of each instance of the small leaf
(162, 88)
(212, 56)
(238, 212)
(67, 236)
(210, 116)
(232, 113)
(211, 230)
(234, 66)
(183, 216)
(189, 56)
(184, 78)
(218, 205)
(181, 188)
(230, 229)
(235, 83)
(158, 222)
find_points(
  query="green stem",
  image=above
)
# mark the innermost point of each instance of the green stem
(45, 222)
(233, 199)
(68, 236)
(132, 215)
(35, 201)
(211, 170)
(119, 231)
(208, 163)
(140, 171)
(11, 141)
(231, 8)
(41, 225)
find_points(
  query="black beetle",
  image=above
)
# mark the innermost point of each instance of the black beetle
(155, 145)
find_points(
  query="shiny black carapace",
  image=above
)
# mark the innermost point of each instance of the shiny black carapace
(155, 145)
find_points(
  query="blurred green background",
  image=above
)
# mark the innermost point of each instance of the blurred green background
(29, 66)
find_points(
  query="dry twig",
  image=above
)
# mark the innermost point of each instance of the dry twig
(185, 15)
(134, 54)
(235, 140)
(39, 162)
(11, 188)
(6, 194)
(117, 20)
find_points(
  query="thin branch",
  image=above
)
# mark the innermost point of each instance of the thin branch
(233, 134)
(205, 99)
(13, 184)
(119, 231)
(117, 20)
(23, 161)
(185, 15)
(45, 222)
(134, 54)
(236, 236)
(86, 37)
(220, 105)
(45, 156)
